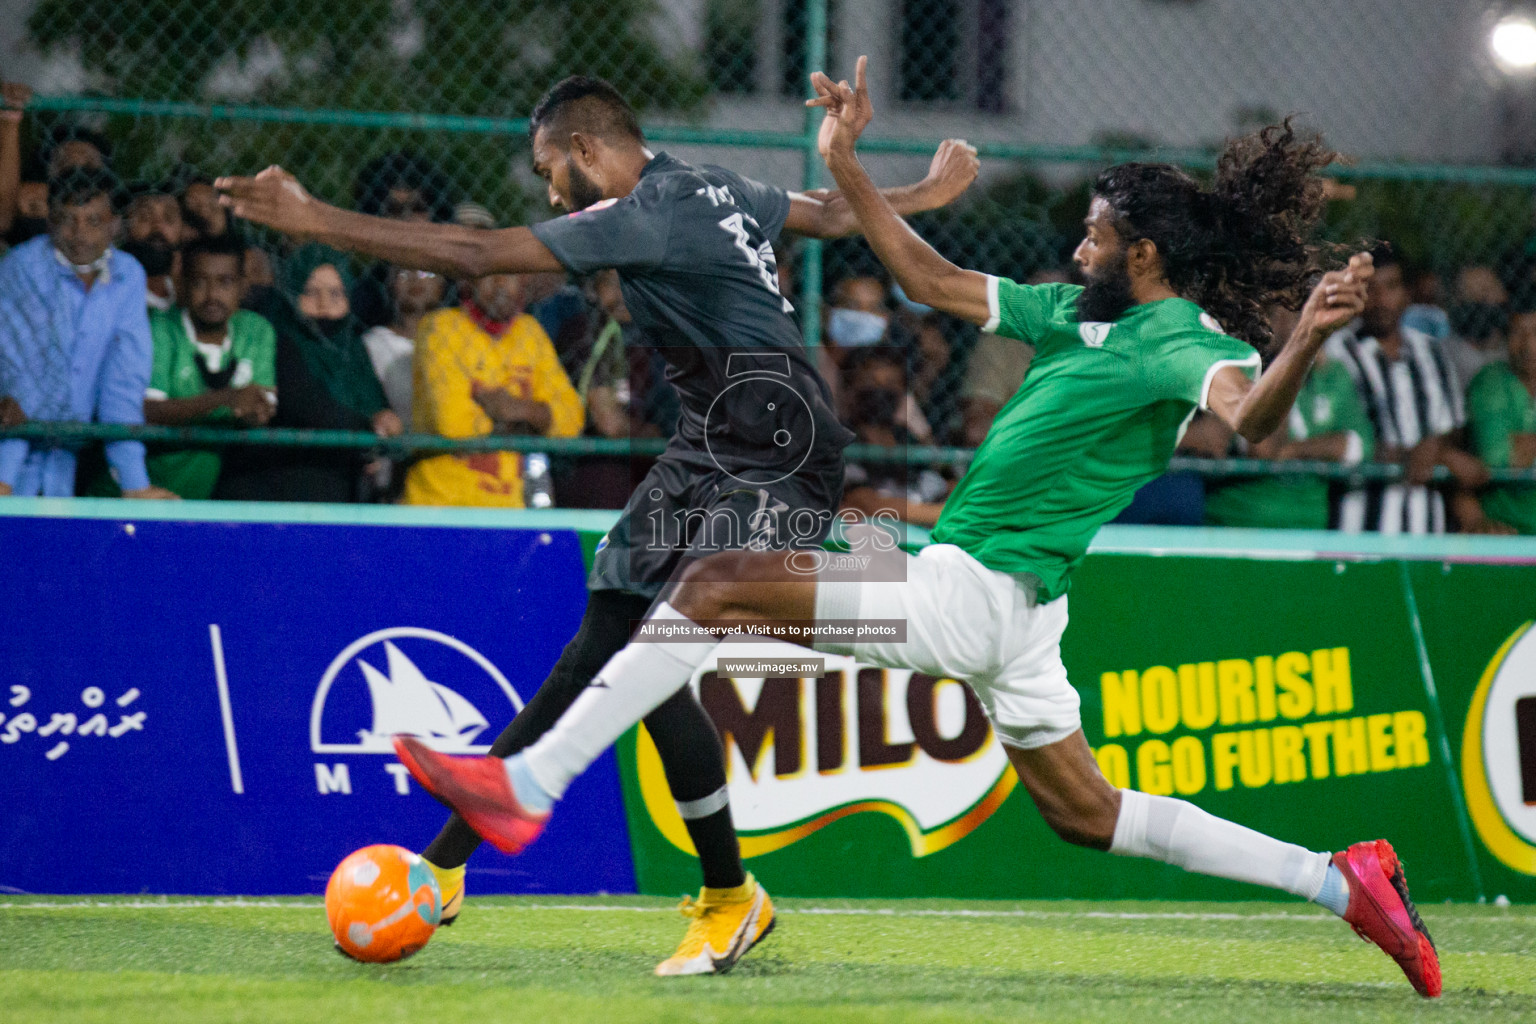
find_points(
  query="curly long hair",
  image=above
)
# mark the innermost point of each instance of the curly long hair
(1244, 243)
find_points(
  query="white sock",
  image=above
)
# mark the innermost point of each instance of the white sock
(525, 787)
(1178, 832)
(633, 684)
(1335, 891)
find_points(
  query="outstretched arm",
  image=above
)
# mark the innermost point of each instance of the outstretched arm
(826, 214)
(276, 199)
(1256, 410)
(923, 274)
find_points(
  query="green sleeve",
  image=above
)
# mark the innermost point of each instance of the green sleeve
(1348, 407)
(1022, 311)
(165, 332)
(1494, 414)
(1181, 369)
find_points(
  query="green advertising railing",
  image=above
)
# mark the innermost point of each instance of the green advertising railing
(579, 447)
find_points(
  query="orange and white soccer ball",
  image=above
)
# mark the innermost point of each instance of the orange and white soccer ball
(383, 904)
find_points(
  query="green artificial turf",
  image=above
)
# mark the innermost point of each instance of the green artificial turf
(558, 960)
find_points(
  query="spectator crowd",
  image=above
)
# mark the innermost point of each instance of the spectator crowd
(149, 303)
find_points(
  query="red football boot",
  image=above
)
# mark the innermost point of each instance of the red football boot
(477, 788)
(1381, 912)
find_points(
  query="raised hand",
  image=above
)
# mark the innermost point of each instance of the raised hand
(1339, 297)
(273, 198)
(848, 110)
(955, 165)
(14, 97)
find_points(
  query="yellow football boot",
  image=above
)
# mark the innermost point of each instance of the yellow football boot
(723, 925)
(450, 881)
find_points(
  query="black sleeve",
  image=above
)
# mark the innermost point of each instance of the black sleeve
(625, 234)
(303, 401)
(766, 204)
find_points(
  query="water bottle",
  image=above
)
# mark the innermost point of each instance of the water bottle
(538, 492)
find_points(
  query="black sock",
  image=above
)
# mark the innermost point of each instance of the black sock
(604, 631)
(694, 762)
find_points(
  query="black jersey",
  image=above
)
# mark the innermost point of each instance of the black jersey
(693, 248)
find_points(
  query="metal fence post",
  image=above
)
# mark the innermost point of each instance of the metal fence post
(811, 249)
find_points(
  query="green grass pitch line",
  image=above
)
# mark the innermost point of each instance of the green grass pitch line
(553, 960)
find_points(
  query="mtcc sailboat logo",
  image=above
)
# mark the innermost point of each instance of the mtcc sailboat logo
(413, 681)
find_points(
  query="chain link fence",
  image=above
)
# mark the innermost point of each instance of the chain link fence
(410, 107)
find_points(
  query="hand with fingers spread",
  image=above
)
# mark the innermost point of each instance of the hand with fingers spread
(273, 198)
(1339, 297)
(848, 111)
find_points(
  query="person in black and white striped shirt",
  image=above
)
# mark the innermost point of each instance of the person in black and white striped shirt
(1415, 401)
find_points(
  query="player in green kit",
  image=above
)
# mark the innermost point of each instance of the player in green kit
(1178, 277)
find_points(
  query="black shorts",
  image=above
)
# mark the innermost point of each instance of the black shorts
(688, 507)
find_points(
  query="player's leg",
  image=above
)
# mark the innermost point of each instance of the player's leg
(967, 622)
(686, 740)
(732, 913)
(723, 592)
(743, 568)
(508, 806)
(1364, 884)
(508, 801)
(604, 629)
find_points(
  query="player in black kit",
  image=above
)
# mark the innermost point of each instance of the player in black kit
(757, 457)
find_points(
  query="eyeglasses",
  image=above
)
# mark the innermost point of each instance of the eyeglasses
(420, 275)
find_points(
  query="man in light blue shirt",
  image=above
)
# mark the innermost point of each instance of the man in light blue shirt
(74, 339)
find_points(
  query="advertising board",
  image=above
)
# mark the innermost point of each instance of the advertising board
(205, 707)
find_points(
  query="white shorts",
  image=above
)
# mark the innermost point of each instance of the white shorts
(967, 622)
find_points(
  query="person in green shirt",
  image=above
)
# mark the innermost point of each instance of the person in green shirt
(1501, 408)
(214, 364)
(1327, 423)
(1178, 277)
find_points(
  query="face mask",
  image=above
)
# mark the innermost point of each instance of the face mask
(852, 328)
(1475, 321)
(25, 228)
(331, 329)
(153, 255)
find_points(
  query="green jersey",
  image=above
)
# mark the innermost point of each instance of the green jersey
(186, 368)
(1328, 403)
(1098, 415)
(1499, 407)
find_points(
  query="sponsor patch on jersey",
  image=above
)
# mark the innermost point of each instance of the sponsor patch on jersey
(1210, 323)
(1094, 332)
